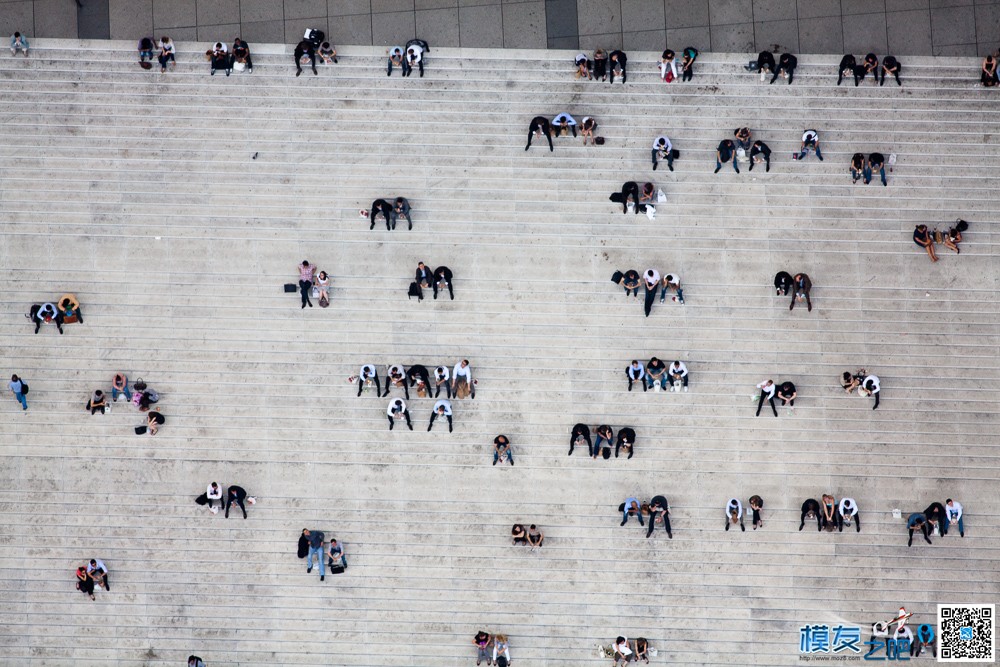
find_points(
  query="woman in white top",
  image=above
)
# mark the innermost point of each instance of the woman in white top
(583, 66)
(734, 514)
(166, 54)
(323, 283)
(461, 380)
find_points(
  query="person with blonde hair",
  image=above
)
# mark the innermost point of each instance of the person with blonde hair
(501, 647)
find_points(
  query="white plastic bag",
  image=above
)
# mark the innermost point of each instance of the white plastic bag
(650, 212)
(660, 197)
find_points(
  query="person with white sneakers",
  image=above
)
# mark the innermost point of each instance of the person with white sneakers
(213, 493)
(672, 281)
(678, 375)
(848, 511)
(656, 374)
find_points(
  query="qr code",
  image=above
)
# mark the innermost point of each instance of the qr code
(966, 633)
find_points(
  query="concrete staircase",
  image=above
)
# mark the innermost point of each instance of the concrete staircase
(139, 193)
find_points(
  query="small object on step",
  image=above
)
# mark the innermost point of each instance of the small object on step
(255, 156)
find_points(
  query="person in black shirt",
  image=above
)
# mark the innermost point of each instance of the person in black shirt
(924, 239)
(724, 153)
(618, 62)
(876, 162)
(631, 282)
(600, 64)
(442, 279)
(765, 63)
(742, 136)
(241, 54)
(658, 508)
(383, 208)
(869, 66)
(540, 125)
(302, 49)
(236, 494)
(154, 420)
(687, 64)
(847, 65)
(859, 168)
(626, 440)
(782, 282)
(810, 509)
(580, 434)
(756, 505)
(890, 66)
(419, 372)
(401, 207)
(762, 149)
(786, 67)
(802, 285)
(630, 189)
(787, 394)
(936, 516)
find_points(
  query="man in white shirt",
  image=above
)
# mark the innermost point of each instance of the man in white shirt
(848, 511)
(396, 377)
(441, 379)
(623, 653)
(635, 373)
(734, 514)
(651, 280)
(462, 374)
(870, 387)
(663, 150)
(672, 281)
(368, 376)
(767, 390)
(810, 141)
(953, 510)
(414, 56)
(99, 573)
(678, 374)
(562, 123)
(213, 493)
(397, 409)
(441, 409)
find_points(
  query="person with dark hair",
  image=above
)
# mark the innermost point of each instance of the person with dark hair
(307, 273)
(641, 648)
(725, 152)
(618, 62)
(656, 372)
(783, 283)
(631, 507)
(631, 280)
(810, 510)
(316, 540)
(672, 281)
(563, 124)
(651, 281)
(540, 126)
(765, 63)
(891, 66)
(659, 511)
(395, 60)
(518, 534)
(786, 67)
(414, 56)
(954, 510)
(145, 49)
(605, 435)
(917, 521)
(535, 536)
(954, 235)
(220, 59)
(237, 494)
(98, 571)
(756, 505)
(622, 652)
(937, 517)
(734, 514)
(810, 141)
(662, 150)
(19, 389)
(195, 661)
(859, 168)
(760, 152)
(850, 381)
(154, 420)
(767, 390)
(327, 53)
(482, 642)
(743, 137)
(97, 403)
(869, 66)
(502, 450)
(988, 76)
(303, 50)
(630, 190)
(441, 409)
(367, 376)
(679, 376)
(397, 408)
(687, 64)
(443, 277)
(422, 278)
(925, 240)
(383, 208)
(847, 65)
(635, 374)
(828, 514)
(587, 130)
(580, 435)
(876, 162)
(801, 285)
(626, 441)
(924, 640)
(396, 377)
(401, 208)
(870, 387)
(848, 512)
(462, 384)
(601, 65)
(213, 492)
(84, 583)
(241, 54)
(668, 65)
(442, 377)
(584, 66)
(787, 394)
(48, 313)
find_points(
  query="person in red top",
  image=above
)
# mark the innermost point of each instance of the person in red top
(306, 274)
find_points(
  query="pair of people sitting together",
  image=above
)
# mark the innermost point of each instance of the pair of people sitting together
(601, 445)
(531, 537)
(221, 58)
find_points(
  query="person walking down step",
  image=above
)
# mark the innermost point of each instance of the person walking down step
(316, 541)
(767, 390)
(19, 389)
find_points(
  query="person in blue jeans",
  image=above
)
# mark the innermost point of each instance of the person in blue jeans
(954, 512)
(19, 389)
(501, 449)
(810, 141)
(604, 433)
(316, 539)
(336, 554)
(120, 386)
(656, 371)
(876, 162)
(631, 507)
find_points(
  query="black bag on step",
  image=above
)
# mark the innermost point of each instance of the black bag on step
(415, 291)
